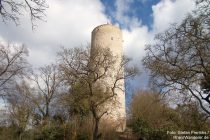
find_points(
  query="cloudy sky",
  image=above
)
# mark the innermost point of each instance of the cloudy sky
(69, 23)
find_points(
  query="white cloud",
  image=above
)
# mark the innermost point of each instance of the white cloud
(168, 12)
(123, 7)
(135, 40)
(164, 14)
(69, 23)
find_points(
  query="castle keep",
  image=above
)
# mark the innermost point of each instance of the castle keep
(109, 36)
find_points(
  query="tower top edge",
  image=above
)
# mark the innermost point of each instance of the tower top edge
(106, 26)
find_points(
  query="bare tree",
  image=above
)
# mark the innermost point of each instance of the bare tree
(13, 64)
(20, 107)
(191, 117)
(11, 10)
(86, 73)
(149, 105)
(47, 83)
(179, 60)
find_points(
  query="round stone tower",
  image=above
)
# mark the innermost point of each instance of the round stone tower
(109, 36)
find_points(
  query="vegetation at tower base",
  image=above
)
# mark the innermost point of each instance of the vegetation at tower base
(62, 101)
(11, 10)
(151, 117)
(179, 60)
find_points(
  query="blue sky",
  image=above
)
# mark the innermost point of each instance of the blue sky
(141, 9)
(69, 23)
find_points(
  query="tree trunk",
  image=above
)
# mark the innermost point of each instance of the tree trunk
(47, 108)
(95, 133)
(64, 131)
(20, 137)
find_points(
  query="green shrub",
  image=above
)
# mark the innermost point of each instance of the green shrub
(142, 129)
(49, 132)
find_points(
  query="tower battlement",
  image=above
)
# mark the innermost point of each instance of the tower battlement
(106, 27)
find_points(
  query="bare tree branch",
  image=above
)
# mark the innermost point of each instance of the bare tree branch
(180, 58)
(12, 10)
